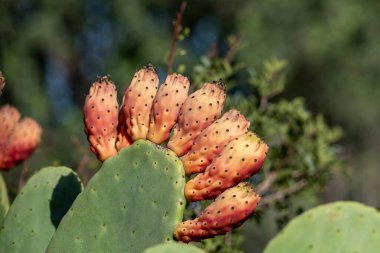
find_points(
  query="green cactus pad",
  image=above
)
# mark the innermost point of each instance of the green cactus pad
(173, 248)
(133, 202)
(4, 201)
(36, 212)
(341, 227)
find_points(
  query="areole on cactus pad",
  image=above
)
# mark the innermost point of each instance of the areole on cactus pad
(221, 150)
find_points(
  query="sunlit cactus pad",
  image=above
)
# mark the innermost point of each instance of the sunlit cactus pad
(133, 202)
(173, 248)
(36, 212)
(341, 227)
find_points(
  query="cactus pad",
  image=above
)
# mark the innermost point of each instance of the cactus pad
(36, 212)
(173, 248)
(133, 202)
(4, 201)
(333, 228)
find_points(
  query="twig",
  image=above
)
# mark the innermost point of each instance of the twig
(228, 240)
(233, 49)
(175, 36)
(22, 179)
(263, 103)
(82, 164)
(88, 177)
(282, 194)
(213, 51)
(267, 183)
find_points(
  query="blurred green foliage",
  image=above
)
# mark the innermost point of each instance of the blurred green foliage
(302, 155)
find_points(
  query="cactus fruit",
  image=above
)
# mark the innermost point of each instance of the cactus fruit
(20, 144)
(331, 228)
(212, 140)
(166, 106)
(37, 210)
(144, 185)
(228, 211)
(173, 248)
(9, 117)
(4, 200)
(138, 100)
(199, 111)
(101, 118)
(238, 161)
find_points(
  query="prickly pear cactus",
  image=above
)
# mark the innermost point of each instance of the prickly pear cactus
(36, 212)
(4, 201)
(137, 198)
(173, 248)
(333, 228)
(133, 202)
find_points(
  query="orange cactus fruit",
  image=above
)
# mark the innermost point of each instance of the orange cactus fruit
(227, 212)
(21, 143)
(123, 138)
(166, 107)
(200, 110)
(138, 100)
(101, 118)
(212, 140)
(9, 116)
(238, 161)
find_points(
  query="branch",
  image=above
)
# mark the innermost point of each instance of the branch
(233, 49)
(267, 183)
(82, 164)
(23, 176)
(282, 194)
(176, 32)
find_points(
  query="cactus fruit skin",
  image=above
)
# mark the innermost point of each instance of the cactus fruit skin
(144, 185)
(238, 161)
(173, 248)
(331, 228)
(21, 143)
(199, 111)
(227, 212)
(138, 100)
(211, 141)
(37, 210)
(9, 116)
(101, 118)
(166, 106)
(123, 138)
(4, 200)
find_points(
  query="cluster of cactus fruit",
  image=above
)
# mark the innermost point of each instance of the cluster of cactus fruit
(220, 149)
(18, 138)
(148, 146)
